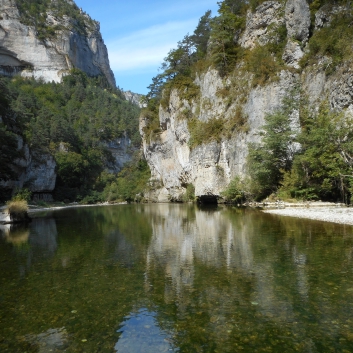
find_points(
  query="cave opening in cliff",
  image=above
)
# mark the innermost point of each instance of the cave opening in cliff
(207, 199)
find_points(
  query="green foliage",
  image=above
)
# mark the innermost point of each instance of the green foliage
(22, 195)
(152, 127)
(323, 168)
(203, 132)
(224, 52)
(268, 160)
(332, 42)
(72, 121)
(234, 193)
(130, 183)
(201, 35)
(34, 13)
(180, 65)
(189, 195)
(313, 163)
(216, 129)
(8, 153)
(265, 62)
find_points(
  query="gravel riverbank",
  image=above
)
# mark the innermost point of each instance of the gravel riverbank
(342, 215)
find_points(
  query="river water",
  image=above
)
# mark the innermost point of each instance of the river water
(175, 278)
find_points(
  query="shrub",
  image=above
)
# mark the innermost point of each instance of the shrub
(234, 193)
(17, 207)
(190, 193)
(204, 132)
(22, 195)
(332, 41)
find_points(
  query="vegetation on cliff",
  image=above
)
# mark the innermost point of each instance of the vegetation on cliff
(34, 13)
(73, 121)
(310, 161)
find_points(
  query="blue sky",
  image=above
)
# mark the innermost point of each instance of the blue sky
(139, 34)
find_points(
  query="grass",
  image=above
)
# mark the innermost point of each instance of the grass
(18, 211)
(17, 207)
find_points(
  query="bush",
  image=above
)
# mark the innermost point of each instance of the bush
(190, 193)
(17, 207)
(332, 41)
(234, 193)
(22, 195)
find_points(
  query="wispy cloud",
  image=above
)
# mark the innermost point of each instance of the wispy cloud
(147, 47)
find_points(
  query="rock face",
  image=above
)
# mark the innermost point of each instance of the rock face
(297, 15)
(134, 98)
(35, 171)
(212, 165)
(120, 149)
(50, 59)
(258, 23)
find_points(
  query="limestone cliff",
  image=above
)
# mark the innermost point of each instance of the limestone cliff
(22, 51)
(134, 98)
(210, 166)
(36, 171)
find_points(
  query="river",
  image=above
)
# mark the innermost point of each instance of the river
(175, 278)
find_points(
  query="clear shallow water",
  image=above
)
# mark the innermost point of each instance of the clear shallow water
(175, 278)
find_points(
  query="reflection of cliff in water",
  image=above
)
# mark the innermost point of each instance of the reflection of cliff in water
(214, 245)
(43, 237)
(184, 235)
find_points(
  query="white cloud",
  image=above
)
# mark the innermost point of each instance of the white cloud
(147, 47)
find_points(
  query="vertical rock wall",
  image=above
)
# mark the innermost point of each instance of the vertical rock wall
(212, 165)
(50, 59)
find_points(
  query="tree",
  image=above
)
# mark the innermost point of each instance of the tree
(223, 49)
(202, 33)
(324, 166)
(270, 159)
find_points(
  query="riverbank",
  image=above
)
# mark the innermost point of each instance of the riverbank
(4, 217)
(317, 211)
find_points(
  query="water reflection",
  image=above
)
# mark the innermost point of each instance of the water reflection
(43, 239)
(244, 263)
(53, 341)
(207, 280)
(140, 332)
(16, 234)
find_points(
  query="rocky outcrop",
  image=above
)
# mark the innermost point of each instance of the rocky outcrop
(121, 150)
(134, 98)
(292, 54)
(323, 16)
(35, 170)
(21, 51)
(297, 16)
(259, 22)
(212, 165)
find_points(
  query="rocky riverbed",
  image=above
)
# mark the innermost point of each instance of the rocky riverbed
(335, 214)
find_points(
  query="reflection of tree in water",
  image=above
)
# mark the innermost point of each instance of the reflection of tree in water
(82, 285)
(31, 242)
(223, 279)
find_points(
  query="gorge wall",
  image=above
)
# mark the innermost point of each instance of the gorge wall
(49, 51)
(21, 51)
(176, 162)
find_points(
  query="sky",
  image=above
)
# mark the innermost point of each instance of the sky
(140, 33)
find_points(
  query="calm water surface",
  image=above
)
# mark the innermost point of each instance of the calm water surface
(175, 278)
